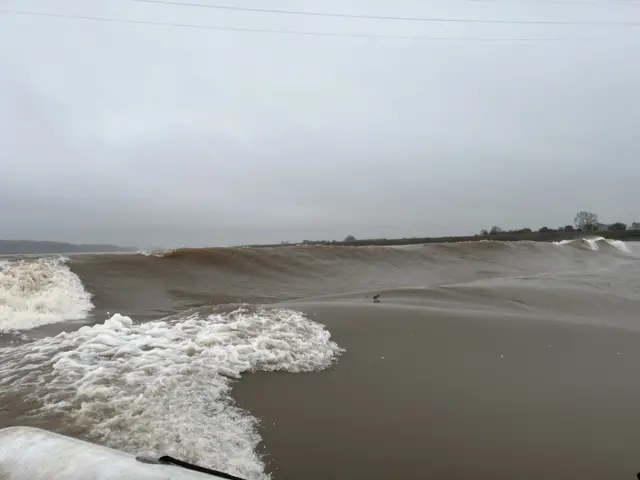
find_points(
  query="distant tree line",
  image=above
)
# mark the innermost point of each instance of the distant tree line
(582, 222)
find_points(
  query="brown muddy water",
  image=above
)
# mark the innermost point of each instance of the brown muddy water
(480, 360)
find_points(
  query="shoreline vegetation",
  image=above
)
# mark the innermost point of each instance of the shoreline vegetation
(585, 224)
(553, 236)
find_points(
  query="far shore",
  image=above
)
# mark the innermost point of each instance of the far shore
(553, 236)
(36, 247)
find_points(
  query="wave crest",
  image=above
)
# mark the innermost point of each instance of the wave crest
(40, 291)
(594, 243)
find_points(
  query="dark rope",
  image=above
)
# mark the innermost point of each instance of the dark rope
(189, 466)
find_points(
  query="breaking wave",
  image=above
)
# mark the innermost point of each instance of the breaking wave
(152, 285)
(40, 291)
(157, 284)
(594, 243)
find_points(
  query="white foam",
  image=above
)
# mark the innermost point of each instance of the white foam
(618, 244)
(40, 291)
(163, 387)
(154, 253)
(592, 242)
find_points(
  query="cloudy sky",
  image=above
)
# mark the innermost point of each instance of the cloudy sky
(157, 135)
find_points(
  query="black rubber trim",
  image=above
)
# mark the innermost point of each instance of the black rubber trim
(150, 460)
(167, 460)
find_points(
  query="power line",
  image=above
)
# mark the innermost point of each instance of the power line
(269, 31)
(387, 17)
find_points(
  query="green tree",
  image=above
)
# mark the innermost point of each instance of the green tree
(350, 238)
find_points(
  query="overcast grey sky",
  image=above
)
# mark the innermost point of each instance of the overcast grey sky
(150, 135)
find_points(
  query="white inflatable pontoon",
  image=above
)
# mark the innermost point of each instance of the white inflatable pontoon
(28, 453)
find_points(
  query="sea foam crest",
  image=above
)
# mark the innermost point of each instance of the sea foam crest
(163, 387)
(618, 244)
(154, 253)
(594, 243)
(40, 291)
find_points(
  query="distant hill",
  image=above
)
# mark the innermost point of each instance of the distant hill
(15, 247)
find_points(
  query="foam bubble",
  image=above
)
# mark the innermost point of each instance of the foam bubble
(163, 387)
(40, 291)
